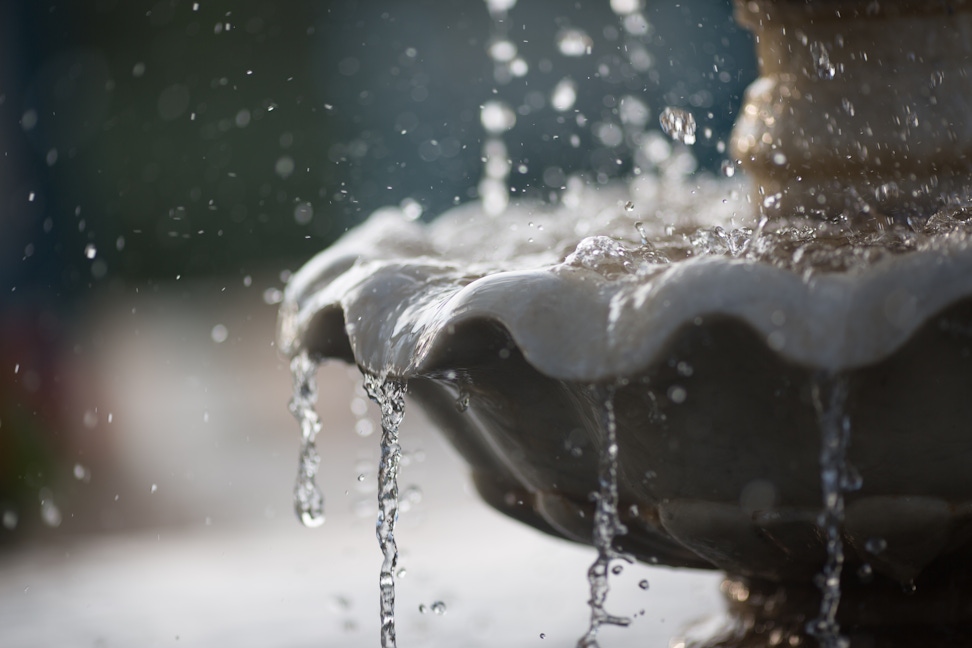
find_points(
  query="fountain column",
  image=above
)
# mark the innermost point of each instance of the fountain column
(861, 108)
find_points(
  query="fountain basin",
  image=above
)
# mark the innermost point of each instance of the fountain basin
(714, 358)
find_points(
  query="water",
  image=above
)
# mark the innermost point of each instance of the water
(308, 499)
(678, 124)
(829, 396)
(389, 395)
(607, 526)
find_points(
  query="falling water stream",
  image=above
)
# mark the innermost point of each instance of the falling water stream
(308, 499)
(836, 478)
(607, 525)
(389, 395)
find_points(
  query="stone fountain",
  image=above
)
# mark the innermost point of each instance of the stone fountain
(769, 376)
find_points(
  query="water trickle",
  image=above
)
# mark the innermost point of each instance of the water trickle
(829, 396)
(678, 124)
(308, 499)
(389, 395)
(607, 525)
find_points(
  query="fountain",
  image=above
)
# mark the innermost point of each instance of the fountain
(767, 376)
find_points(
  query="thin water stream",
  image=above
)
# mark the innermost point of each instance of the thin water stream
(308, 499)
(389, 395)
(607, 525)
(837, 477)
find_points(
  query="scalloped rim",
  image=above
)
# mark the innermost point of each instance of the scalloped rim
(574, 324)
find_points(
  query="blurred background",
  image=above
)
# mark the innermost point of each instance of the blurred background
(165, 167)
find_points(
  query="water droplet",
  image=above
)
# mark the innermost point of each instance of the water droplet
(574, 42)
(564, 95)
(81, 473)
(272, 296)
(502, 51)
(625, 7)
(865, 572)
(500, 7)
(617, 569)
(462, 400)
(10, 519)
(364, 427)
(90, 251)
(284, 166)
(411, 209)
(154, 489)
(439, 608)
(677, 394)
(543, 636)
(821, 61)
(875, 545)
(728, 168)
(90, 419)
(50, 513)
(678, 124)
(643, 584)
(497, 117)
(303, 213)
(219, 334)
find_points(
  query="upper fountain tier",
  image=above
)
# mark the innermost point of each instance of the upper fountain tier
(861, 105)
(832, 296)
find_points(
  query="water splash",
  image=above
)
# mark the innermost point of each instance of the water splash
(607, 525)
(678, 124)
(836, 477)
(821, 61)
(389, 395)
(308, 499)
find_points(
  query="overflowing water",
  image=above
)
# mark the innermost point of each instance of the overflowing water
(389, 395)
(836, 477)
(308, 500)
(607, 525)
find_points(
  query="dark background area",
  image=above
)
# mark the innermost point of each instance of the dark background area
(180, 138)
